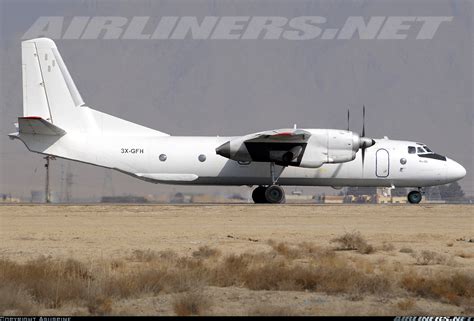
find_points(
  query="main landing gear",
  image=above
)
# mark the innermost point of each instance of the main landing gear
(415, 197)
(273, 194)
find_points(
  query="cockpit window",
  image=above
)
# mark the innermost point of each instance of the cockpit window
(420, 150)
(427, 149)
(411, 150)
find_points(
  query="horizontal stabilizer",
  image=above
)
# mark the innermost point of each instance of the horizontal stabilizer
(38, 126)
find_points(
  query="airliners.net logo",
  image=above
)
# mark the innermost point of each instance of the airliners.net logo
(236, 27)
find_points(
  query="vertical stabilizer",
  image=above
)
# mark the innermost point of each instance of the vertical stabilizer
(48, 89)
(49, 93)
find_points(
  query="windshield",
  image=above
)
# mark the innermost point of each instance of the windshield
(427, 149)
(423, 149)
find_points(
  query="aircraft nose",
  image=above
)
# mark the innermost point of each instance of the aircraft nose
(455, 171)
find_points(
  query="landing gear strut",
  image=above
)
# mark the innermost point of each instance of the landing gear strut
(414, 197)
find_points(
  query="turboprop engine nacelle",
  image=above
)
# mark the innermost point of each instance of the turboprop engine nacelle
(332, 146)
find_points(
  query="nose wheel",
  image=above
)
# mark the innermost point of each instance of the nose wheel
(414, 197)
(272, 194)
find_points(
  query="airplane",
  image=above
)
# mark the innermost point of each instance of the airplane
(56, 122)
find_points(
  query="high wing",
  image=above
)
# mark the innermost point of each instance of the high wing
(281, 146)
(280, 135)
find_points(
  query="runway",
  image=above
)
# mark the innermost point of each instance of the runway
(86, 231)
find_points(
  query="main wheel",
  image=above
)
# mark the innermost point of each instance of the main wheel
(275, 194)
(258, 195)
(414, 197)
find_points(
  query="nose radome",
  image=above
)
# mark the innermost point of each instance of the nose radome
(455, 170)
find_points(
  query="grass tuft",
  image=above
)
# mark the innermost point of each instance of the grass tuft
(191, 303)
(206, 252)
(353, 241)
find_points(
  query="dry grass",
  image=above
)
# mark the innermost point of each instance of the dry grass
(15, 301)
(300, 251)
(406, 304)
(47, 283)
(271, 310)
(387, 247)
(427, 257)
(457, 288)
(284, 249)
(144, 255)
(100, 306)
(191, 303)
(353, 241)
(206, 252)
(150, 255)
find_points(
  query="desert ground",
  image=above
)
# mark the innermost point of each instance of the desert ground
(237, 259)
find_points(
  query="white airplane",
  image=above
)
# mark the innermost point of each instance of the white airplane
(56, 122)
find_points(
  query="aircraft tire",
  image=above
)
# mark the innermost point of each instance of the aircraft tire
(274, 194)
(258, 195)
(414, 197)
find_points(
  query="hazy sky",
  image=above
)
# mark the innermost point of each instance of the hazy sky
(418, 90)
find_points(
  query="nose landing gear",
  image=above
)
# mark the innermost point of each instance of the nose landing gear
(415, 197)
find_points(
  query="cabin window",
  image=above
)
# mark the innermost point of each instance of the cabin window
(202, 158)
(411, 150)
(163, 157)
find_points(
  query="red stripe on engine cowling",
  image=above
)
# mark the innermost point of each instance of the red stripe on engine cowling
(284, 134)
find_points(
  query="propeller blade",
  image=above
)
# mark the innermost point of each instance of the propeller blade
(363, 121)
(363, 156)
(348, 117)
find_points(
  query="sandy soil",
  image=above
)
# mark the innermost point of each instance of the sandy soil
(94, 232)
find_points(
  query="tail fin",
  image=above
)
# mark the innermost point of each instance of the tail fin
(48, 89)
(49, 93)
